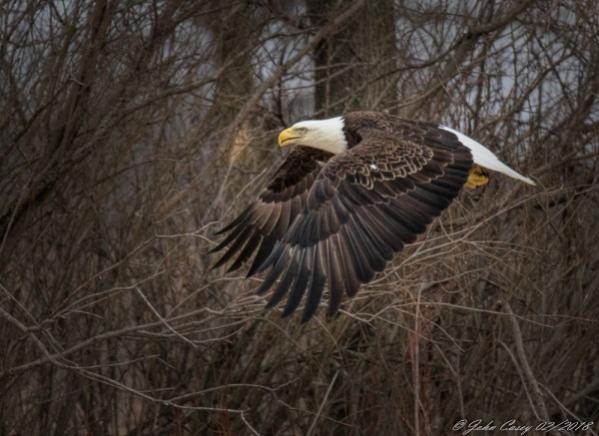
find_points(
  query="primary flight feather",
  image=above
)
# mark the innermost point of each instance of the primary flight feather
(353, 192)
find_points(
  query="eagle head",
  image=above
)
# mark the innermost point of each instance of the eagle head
(327, 135)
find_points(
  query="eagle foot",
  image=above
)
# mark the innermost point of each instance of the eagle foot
(477, 177)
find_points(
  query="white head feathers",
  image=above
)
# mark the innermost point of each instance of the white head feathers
(325, 135)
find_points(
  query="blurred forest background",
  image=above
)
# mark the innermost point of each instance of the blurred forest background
(130, 130)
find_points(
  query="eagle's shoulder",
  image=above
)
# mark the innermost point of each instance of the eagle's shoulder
(359, 125)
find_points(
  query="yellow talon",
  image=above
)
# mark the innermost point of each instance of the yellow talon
(477, 177)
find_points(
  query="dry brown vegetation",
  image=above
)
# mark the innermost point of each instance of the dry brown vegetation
(130, 130)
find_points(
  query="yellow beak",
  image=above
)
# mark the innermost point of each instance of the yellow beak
(287, 135)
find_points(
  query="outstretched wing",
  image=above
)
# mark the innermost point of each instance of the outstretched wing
(363, 207)
(266, 220)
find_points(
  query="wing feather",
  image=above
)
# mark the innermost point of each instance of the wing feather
(240, 238)
(350, 270)
(284, 284)
(243, 216)
(334, 272)
(263, 223)
(372, 230)
(248, 250)
(266, 246)
(302, 278)
(274, 273)
(315, 286)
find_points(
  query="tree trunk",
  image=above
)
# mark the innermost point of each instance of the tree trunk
(353, 66)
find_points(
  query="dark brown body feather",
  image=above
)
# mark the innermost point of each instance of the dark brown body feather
(341, 221)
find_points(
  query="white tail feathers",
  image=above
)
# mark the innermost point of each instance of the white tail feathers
(484, 157)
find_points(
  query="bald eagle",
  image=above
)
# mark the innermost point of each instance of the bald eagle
(352, 192)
